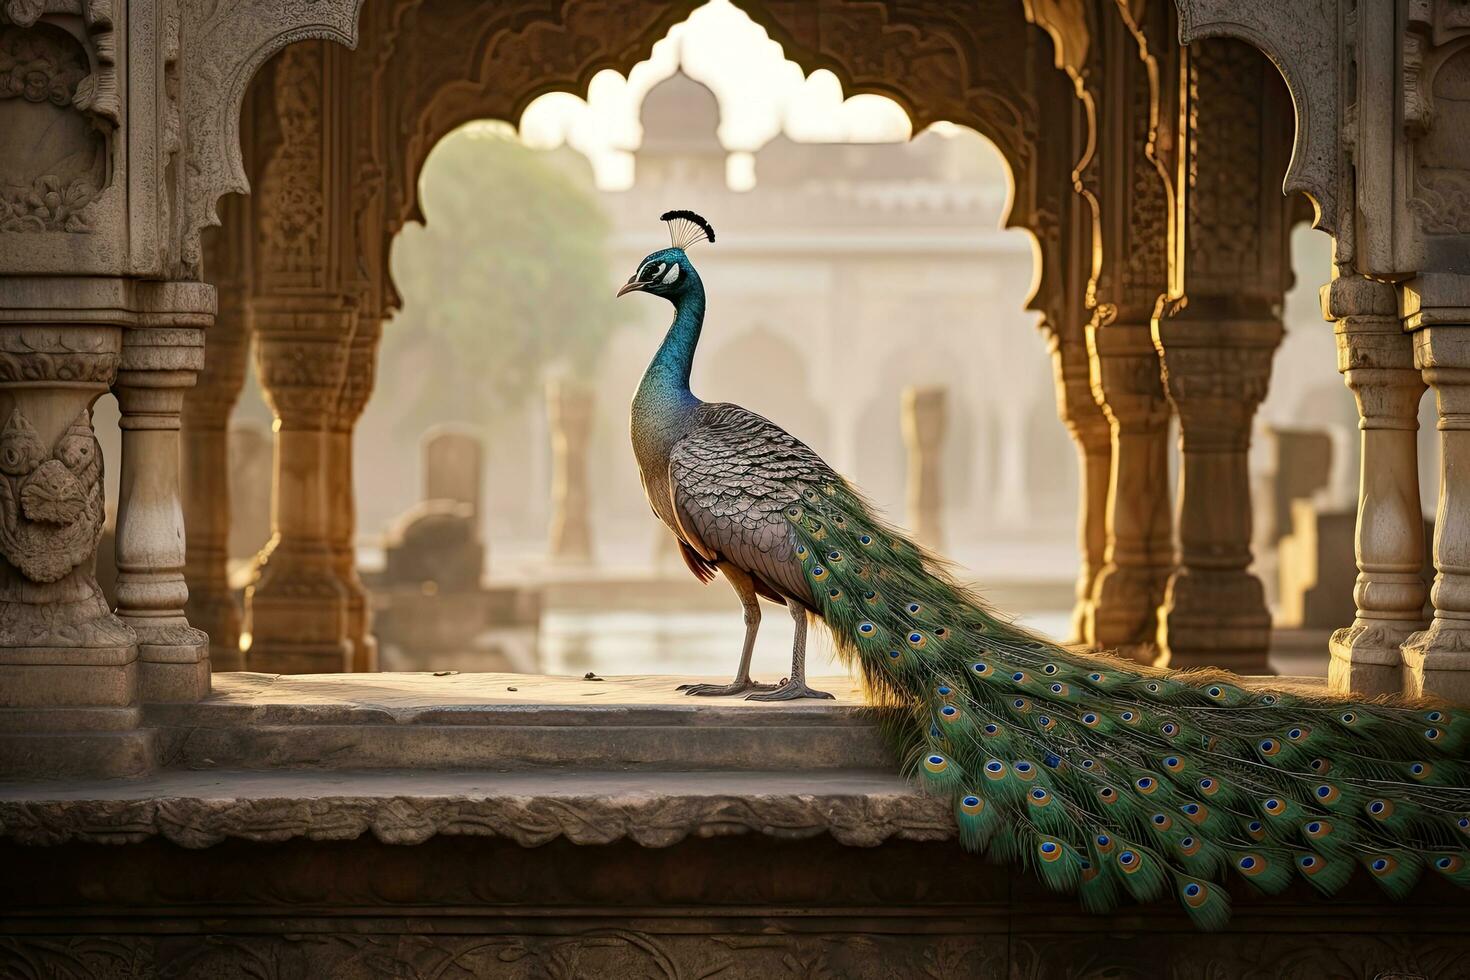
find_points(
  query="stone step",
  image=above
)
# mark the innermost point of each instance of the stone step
(508, 722)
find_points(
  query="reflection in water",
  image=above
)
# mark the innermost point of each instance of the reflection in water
(694, 643)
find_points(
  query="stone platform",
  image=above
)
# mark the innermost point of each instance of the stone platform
(414, 826)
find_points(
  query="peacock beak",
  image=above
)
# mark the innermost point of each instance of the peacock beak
(632, 285)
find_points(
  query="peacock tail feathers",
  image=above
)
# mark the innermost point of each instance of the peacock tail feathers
(1110, 779)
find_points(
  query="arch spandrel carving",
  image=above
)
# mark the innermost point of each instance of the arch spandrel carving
(223, 45)
(1301, 39)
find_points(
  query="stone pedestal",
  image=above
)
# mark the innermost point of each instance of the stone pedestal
(1126, 382)
(1437, 310)
(1216, 369)
(925, 418)
(296, 607)
(1376, 359)
(569, 413)
(159, 364)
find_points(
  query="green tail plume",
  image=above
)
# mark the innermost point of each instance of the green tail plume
(1111, 779)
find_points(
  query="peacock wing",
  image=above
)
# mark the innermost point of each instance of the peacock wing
(731, 479)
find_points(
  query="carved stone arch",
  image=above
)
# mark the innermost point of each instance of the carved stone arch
(939, 62)
(454, 64)
(1301, 40)
(445, 67)
(223, 45)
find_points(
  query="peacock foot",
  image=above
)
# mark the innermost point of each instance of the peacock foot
(724, 690)
(790, 691)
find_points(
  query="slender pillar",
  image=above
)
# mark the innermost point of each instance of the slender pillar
(569, 411)
(1217, 364)
(206, 466)
(159, 363)
(1437, 309)
(1127, 384)
(296, 607)
(925, 418)
(1085, 420)
(1376, 359)
(357, 386)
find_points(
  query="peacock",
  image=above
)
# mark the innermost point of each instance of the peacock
(1105, 778)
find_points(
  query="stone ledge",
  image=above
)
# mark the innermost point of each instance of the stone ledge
(859, 808)
(499, 722)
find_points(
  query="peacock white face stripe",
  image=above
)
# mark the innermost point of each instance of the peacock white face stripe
(650, 271)
(672, 275)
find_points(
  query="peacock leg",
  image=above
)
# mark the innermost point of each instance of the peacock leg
(744, 587)
(795, 686)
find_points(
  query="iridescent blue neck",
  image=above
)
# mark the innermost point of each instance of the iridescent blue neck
(668, 373)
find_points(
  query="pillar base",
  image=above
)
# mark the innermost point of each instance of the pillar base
(173, 663)
(1123, 612)
(1366, 660)
(1214, 618)
(1437, 663)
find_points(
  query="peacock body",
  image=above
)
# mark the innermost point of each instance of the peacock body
(1105, 778)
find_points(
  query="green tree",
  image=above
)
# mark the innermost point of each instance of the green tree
(506, 282)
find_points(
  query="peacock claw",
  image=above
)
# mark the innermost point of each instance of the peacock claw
(723, 690)
(790, 691)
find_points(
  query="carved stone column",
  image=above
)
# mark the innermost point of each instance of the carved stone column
(925, 418)
(296, 607)
(1217, 364)
(1376, 359)
(1216, 332)
(69, 668)
(1085, 420)
(569, 412)
(1437, 309)
(1127, 180)
(159, 363)
(357, 386)
(1127, 383)
(206, 467)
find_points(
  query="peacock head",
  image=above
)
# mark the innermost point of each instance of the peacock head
(668, 272)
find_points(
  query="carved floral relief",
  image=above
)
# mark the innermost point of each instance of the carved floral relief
(51, 509)
(56, 159)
